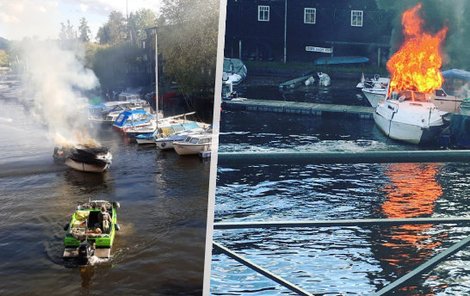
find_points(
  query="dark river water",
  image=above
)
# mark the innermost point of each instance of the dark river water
(160, 247)
(333, 260)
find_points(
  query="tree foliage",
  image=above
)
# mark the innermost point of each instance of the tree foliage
(114, 31)
(189, 43)
(67, 32)
(4, 58)
(84, 30)
(118, 66)
(138, 22)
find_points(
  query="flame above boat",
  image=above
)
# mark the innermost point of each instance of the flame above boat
(416, 65)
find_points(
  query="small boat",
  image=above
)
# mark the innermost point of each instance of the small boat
(194, 144)
(108, 112)
(234, 71)
(168, 126)
(91, 231)
(178, 132)
(307, 79)
(375, 90)
(410, 117)
(132, 119)
(323, 79)
(83, 158)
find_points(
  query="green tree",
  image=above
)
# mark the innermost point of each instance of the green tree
(68, 36)
(67, 32)
(114, 31)
(4, 58)
(138, 22)
(189, 44)
(84, 30)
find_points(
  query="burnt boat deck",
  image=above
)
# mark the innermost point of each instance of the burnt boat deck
(292, 107)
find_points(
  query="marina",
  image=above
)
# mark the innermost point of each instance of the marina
(159, 234)
(334, 205)
(322, 197)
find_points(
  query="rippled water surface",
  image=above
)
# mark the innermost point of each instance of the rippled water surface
(334, 260)
(160, 247)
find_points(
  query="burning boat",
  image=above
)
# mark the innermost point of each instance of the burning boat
(84, 158)
(407, 114)
(410, 117)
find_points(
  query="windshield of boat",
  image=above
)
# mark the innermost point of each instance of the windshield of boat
(408, 95)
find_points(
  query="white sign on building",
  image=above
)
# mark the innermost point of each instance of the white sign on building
(319, 49)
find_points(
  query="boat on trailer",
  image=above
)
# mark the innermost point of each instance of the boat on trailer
(91, 231)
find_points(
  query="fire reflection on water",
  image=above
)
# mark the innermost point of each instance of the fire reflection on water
(412, 192)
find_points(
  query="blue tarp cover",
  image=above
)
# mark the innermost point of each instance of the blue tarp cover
(456, 74)
(340, 60)
(124, 116)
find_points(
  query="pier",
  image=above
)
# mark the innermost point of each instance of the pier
(292, 107)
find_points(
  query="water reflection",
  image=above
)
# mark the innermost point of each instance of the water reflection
(86, 274)
(412, 192)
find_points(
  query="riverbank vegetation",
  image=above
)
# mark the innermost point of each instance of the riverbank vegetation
(122, 53)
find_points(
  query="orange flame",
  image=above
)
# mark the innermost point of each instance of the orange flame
(416, 65)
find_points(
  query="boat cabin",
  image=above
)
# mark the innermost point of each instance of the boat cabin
(133, 118)
(198, 139)
(409, 95)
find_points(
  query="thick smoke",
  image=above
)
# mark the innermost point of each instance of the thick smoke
(437, 14)
(54, 80)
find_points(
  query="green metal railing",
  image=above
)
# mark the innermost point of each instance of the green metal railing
(461, 156)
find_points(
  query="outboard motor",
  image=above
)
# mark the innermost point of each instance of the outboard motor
(85, 252)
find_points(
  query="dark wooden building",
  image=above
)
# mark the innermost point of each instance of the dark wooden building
(304, 30)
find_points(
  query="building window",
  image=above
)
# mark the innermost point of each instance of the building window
(263, 13)
(310, 15)
(356, 18)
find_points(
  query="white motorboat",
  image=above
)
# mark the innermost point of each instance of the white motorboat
(375, 90)
(108, 112)
(234, 71)
(375, 81)
(194, 144)
(167, 142)
(409, 117)
(445, 102)
(374, 95)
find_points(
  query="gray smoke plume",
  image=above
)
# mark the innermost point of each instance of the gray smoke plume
(55, 79)
(437, 14)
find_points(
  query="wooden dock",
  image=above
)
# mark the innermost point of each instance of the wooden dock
(297, 107)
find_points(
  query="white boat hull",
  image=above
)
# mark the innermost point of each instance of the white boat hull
(99, 252)
(190, 149)
(144, 141)
(165, 145)
(398, 130)
(449, 104)
(415, 123)
(85, 167)
(374, 97)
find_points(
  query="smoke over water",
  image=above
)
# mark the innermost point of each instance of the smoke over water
(54, 79)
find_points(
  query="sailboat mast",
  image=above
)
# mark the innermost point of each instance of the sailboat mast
(156, 77)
